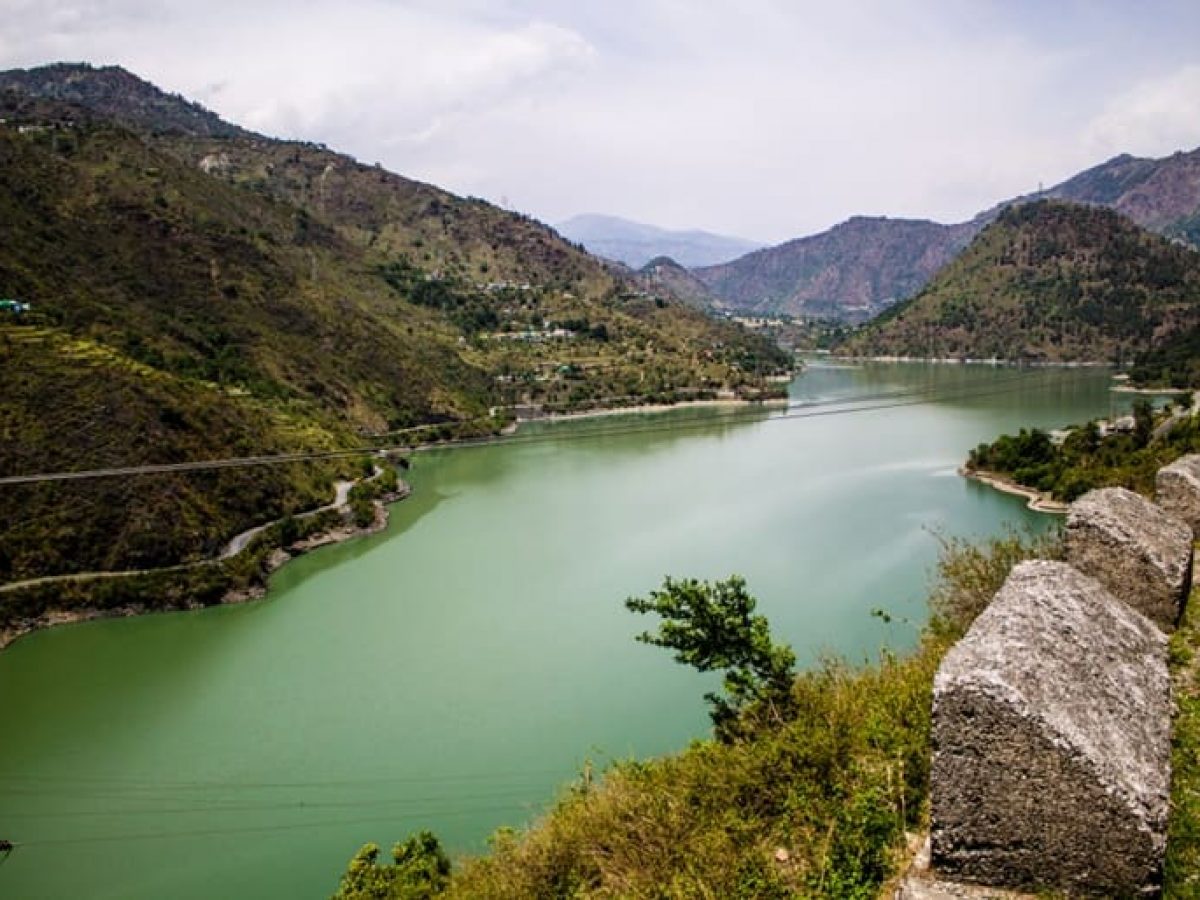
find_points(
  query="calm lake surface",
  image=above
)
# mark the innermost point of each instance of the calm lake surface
(456, 671)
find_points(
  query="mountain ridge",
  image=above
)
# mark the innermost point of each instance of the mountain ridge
(1048, 281)
(849, 272)
(236, 295)
(636, 243)
(116, 93)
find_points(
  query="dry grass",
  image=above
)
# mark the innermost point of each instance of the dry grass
(1182, 875)
(817, 806)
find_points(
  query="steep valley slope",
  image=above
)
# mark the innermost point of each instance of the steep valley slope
(1049, 281)
(197, 291)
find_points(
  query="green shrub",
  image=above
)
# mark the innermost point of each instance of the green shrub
(420, 869)
(713, 627)
(816, 804)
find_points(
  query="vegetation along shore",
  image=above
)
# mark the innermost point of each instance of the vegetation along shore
(236, 575)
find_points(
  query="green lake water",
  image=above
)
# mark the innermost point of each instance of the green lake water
(456, 671)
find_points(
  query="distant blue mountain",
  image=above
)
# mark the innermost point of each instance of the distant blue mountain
(636, 244)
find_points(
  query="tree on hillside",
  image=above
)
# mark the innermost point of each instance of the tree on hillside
(1143, 421)
(712, 627)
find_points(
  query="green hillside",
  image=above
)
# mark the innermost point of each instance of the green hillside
(70, 403)
(110, 238)
(197, 292)
(1048, 282)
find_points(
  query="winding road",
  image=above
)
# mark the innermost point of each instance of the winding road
(235, 546)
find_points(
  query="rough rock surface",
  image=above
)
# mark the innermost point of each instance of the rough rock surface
(1177, 490)
(1142, 554)
(920, 882)
(1051, 734)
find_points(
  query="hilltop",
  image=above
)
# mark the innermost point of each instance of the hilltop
(1048, 282)
(198, 291)
(850, 272)
(858, 268)
(1161, 195)
(111, 92)
(663, 274)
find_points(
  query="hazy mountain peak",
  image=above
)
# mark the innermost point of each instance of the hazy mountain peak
(636, 243)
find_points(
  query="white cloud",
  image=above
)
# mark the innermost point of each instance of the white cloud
(766, 124)
(769, 118)
(1154, 118)
(387, 75)
(299, 68)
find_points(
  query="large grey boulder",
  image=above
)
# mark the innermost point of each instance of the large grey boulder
(1142, 554)
(1177, 489)
(1051, 735)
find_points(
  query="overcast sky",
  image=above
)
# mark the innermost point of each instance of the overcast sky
(767, 119)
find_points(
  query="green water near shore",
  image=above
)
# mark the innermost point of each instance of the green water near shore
(457, 670)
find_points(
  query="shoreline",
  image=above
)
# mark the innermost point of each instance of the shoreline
(651, 408)
(1126, 389)
(996, 362)
(1038, 501)
(276, 560)
(281, 556)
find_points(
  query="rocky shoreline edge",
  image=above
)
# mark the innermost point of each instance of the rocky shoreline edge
(1038, 501)
(280, 556)
(654, 408)
(277, 558)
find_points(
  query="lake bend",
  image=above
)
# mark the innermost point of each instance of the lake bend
(459, 669)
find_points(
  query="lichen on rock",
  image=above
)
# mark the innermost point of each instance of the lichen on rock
(1142, 554)
(1051, 730)
(1177, 489)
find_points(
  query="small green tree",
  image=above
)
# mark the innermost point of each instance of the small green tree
(362, 510)
(421, 870)
(713, 627)
(1143, 421)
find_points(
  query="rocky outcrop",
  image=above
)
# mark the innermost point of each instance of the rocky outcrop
(1177, 490)
(1051, 765)
(1142, 554)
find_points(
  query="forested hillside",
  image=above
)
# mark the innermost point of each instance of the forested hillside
(185, 289)
(855, 269)
(1048, 282)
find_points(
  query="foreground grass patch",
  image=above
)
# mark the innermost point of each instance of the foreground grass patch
(816, 805)
(1182, 876)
